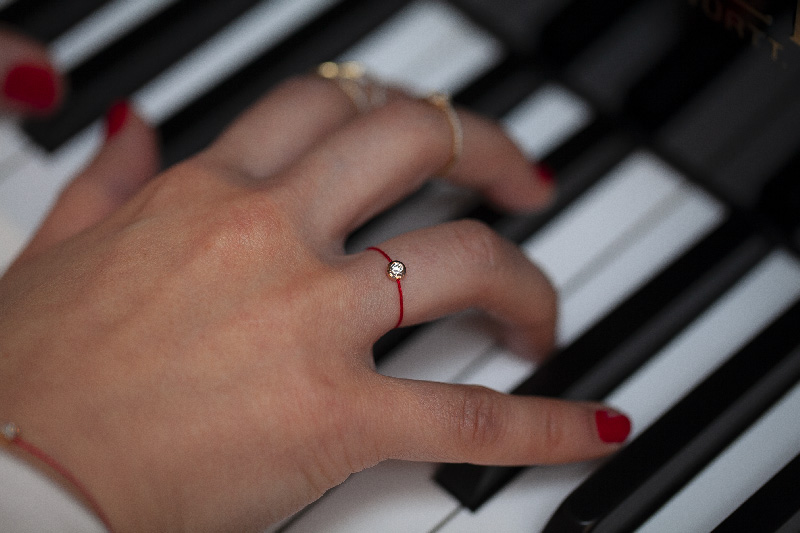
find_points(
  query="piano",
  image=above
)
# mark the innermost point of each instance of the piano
(674, 130)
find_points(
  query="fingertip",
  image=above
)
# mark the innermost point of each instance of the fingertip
(544, 185)
(526, 188)
(544, 174)
(115, 118)
(29, 84)
(31, 88)
(130, 140)
(613, 427)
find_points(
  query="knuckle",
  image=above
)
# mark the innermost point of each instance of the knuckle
(553, 434)
(478, 419)
(245, 225)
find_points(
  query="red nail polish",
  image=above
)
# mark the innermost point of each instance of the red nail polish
(32, 85)
(116, 116)
(612, 427)
(545, 174)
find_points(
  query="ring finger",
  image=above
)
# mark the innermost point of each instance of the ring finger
(452, 267)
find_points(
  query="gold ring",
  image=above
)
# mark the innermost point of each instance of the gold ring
(351, 78)
(442, 102)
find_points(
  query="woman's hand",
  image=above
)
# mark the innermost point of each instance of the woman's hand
(28, 83)
(196, 347)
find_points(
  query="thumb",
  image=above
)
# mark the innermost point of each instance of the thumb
(440, 422)
(127, 160)
(28, 83)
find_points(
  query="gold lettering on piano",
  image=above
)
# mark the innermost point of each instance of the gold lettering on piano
(766, 19)
(749, 23)
(796, 34)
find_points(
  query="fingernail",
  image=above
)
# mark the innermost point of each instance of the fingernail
(612, 427)
(116, 116)
(544, 174)
(31, 85)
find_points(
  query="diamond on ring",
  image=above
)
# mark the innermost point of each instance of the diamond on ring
(9, 431)
(396, 270)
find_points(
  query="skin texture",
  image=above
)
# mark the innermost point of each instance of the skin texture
(195, 346)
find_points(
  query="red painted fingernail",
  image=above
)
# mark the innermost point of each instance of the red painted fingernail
(544, 174)
(116, 116)
(32, 85)
(612, 427)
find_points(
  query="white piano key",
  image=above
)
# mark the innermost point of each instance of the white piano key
(595, 221)
(101, 28)
(733, 320)
(440, 352)
(743, 467)
(236, 44)
(401, 496)
(429, 46)
(27, 195)
(527, 503)
(546, 119)
(498, 369)
(11, 143)
(11, 242)
(458, 56)
(632, 265)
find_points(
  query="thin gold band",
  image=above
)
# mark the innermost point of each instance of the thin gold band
(442, 102)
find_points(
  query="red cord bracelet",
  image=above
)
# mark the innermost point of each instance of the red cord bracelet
(396, 270)
(11, 433)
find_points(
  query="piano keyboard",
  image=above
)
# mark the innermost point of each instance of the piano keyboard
(669, 275)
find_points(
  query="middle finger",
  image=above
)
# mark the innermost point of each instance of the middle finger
(378, 158)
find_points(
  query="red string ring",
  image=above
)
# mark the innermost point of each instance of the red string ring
(395, 270)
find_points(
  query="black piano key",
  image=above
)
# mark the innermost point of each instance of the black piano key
(497, 91)
(577, 26)
(322, 39)
(780, 197)
(791, 526)
(130, 62)
(699, 56)
(612, 349)
(771, 507)
(644, 475)
(44, 20)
